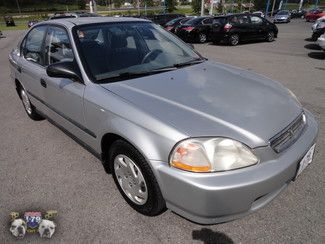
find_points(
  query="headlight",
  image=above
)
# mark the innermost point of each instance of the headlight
(211, 154)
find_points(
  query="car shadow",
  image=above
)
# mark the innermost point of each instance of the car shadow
(317, 55)
(208, 236)
(309, 39)
(241, 43)
(312, 47)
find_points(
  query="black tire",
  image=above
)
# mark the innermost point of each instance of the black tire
(155, 203)
(269, 36)
(202, 38)
(31, 110)
(234, 39)
(314, 37)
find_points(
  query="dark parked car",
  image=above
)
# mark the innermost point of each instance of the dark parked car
(174, 23)
(242, 27)
(298, 13)
(9, 21)
(162, 19)
(196, 30)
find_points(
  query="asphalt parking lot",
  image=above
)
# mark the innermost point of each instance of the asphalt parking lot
(41, 168)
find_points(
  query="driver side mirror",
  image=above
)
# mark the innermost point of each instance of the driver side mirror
(66, 69)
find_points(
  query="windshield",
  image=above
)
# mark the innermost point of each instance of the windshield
(111, 50)
(174, 21)
(283, 13)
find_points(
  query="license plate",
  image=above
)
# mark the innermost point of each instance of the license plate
(306, 160)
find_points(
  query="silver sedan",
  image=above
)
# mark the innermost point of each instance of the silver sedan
(207, 140)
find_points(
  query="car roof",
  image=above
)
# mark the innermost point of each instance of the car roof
(70, 22)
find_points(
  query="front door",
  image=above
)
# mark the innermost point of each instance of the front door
(64, 97)
(258, 26)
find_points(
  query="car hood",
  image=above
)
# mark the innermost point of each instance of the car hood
(213, 99)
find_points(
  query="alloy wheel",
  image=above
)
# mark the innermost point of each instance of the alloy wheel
(234, 40)
(202, 37)
(130, 179)
(270, 36)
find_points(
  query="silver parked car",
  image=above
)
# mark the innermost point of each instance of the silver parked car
(207, 140)
(282, 16)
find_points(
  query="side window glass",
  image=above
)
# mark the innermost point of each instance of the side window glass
(32, 49)
(234, 20)
(57, 46)
(243, 19)
(207, 21)
(256, 20)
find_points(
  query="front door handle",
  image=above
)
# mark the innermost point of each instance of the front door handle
(43, 83)
(19, 69)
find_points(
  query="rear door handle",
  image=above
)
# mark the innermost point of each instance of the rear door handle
(43, 83)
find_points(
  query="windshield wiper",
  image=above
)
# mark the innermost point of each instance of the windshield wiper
(191, 62)
(130, 75)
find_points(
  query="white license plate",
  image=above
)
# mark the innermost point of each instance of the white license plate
(306, 160)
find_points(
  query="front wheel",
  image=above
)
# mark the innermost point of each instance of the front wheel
(270, 36)
(135, 179)
(28, 106)
(202, 38)
(234, 40)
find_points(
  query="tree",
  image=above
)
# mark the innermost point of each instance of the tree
(196, 6)
(170, 5)
(81, 4)
(261, 4)
(117, 3)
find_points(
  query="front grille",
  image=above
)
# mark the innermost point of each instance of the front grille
(289, 135)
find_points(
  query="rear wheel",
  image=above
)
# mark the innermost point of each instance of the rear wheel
(202, 38)
(28, 106)
(135, 179)
(234, 40)
(270, 36)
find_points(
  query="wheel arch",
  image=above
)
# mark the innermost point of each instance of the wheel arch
(18, 87)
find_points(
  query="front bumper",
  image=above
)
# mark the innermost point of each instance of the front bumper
(281, 20)
(209, 198)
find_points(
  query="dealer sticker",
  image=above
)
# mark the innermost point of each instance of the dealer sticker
(307, 159)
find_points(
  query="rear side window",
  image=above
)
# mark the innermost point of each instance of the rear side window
(57, 46)
(256, 20)
(207, 21)
(32, 49)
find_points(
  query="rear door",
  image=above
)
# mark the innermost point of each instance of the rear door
(31, 65)
(242, 26)
(207, 27)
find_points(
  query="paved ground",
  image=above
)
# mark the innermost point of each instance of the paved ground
(42, 168)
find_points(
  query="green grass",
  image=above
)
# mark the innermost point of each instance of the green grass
(12, 28)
